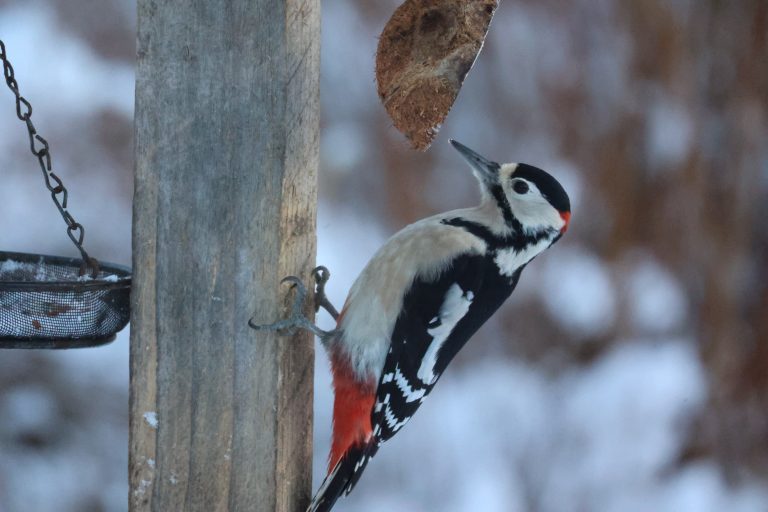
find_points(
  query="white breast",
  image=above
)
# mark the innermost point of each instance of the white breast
(509, 260)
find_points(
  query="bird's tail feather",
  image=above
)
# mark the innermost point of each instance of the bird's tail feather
(344, 475)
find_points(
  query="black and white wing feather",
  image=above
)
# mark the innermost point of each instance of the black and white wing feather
(437, 319)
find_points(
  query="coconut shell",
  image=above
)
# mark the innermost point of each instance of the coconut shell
(425, 52)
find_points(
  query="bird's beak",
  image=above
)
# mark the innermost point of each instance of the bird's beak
(486, 170)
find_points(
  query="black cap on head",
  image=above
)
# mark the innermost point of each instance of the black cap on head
(548, 186)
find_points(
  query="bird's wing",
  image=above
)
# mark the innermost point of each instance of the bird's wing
(438, 316)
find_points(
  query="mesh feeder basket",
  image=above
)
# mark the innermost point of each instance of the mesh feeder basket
(45, 303)
(52, 301)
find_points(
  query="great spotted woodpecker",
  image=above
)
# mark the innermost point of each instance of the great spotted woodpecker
(419, 300)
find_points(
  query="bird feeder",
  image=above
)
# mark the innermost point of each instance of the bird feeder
(54, 302)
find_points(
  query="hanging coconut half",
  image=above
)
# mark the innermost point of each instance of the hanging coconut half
(425, 52)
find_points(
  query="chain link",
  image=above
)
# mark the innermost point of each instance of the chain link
(39, 147)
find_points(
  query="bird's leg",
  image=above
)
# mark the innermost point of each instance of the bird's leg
(321, 275)
(296, 318)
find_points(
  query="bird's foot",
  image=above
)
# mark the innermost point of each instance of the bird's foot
(321, 275)
(297, 319)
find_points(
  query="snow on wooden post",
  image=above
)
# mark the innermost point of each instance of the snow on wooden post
(227, 101)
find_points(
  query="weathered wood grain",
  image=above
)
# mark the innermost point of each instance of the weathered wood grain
(227, 110)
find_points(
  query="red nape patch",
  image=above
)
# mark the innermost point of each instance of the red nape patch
(566, 216)
(352, 407)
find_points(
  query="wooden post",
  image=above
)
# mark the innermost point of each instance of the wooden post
(227, 100)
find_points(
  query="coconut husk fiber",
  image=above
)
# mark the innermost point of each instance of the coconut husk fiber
(425, 52)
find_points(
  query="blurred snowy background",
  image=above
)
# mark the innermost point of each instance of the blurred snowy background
(629, 372)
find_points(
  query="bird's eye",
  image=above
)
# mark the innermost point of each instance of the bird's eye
(520, 187)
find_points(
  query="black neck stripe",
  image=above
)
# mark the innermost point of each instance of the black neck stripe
(506, 210)
(494, 241)
(517, 239)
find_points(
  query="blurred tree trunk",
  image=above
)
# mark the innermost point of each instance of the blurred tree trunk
(226, 120)
(706, 218)
(733, 303)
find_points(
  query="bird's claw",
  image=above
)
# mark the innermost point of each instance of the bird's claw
(297, 319)
(321, 275)
(301, 294)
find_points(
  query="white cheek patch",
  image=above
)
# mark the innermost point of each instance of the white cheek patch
(536, 215)
(532, 210)
(509, 260)
(455, 306)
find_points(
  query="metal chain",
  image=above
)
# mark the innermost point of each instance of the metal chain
(39, 148)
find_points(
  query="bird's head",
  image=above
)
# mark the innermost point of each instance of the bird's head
(528, 199)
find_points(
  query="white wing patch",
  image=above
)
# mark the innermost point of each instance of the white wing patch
(509, 260)
(455, 306)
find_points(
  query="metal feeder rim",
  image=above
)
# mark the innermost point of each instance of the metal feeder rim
(122, 272)
(55, 343)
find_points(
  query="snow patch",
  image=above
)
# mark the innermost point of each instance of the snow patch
(142, 488)
(34, 40)
(578, 292)
(11, 270)
(343, 147)
(336, 226)
(657, 301)
(151, 418)
(27, 409)
(669, 132)
(12, 266)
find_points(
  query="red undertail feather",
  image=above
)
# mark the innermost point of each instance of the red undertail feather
(352, 408)
(353, 443)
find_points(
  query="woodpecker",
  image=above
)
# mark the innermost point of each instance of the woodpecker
(421, 297)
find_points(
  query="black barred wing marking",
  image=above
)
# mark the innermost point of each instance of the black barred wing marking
(437, 319)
